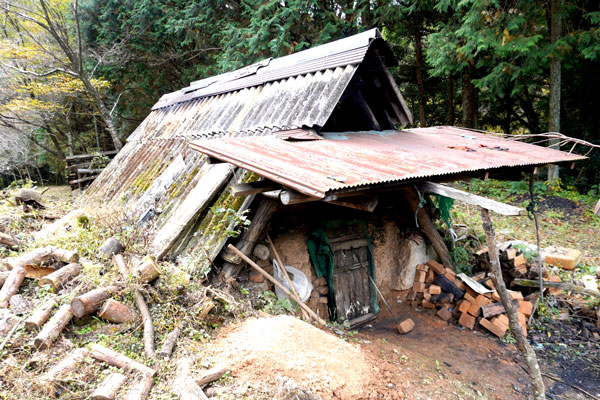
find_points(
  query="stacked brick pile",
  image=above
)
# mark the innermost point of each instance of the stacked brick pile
(439, 289)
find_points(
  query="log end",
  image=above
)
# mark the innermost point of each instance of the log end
(77, 307)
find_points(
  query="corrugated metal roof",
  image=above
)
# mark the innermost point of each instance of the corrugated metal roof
(354, 159)
(347, 51)
(305, 100)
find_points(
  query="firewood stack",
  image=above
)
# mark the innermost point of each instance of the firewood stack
(439, 289)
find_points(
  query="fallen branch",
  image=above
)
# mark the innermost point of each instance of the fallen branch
(211, 375)
(169, 344)
(561, 285)
(38, 256)
(8, 336)
(119, 360)
(141, 390)
(148, 326)
(10, 241)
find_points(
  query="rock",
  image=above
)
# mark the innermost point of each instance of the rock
(287, 389)
(19, 305)
(261, 252)
(256, 277)
(7, 321)
(111, 247)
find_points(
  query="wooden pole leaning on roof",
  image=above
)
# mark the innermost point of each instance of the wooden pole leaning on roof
(427, 226)
(287, 277)
(276, 283)
(513, 320)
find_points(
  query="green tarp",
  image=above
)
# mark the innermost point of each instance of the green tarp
(321, 255)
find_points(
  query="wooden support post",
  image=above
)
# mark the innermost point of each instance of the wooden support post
(91, 301)
(245, 244)
(41, 315)
(53, 328)
(59, 277)
(539, 392)
(428, 227)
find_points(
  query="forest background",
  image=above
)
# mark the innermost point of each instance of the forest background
(79, 76)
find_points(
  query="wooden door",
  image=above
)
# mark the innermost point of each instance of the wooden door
(350, 275)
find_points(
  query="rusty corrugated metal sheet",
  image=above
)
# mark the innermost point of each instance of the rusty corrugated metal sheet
(354, 159)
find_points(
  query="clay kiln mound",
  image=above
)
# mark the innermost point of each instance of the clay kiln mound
(259, 349)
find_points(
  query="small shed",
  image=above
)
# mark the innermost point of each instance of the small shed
(312, 143)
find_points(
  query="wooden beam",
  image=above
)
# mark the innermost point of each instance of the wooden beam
(363, 203)
(364, 106)
(488, 204)
(291, 196)
(245, 189)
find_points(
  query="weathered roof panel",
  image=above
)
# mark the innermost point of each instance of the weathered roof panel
(354, 159)
(347, 51)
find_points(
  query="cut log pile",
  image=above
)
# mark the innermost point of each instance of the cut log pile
(439, 289)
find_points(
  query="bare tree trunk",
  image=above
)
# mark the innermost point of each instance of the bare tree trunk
(555, 81)
(469, 103)
(419, 62)
(535, 374)
(451, 117)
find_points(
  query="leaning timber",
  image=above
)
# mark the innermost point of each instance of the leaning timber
(43, 254)
(264, 212)
(141, 390)
(169, 344)
(91, 301)
(58, 278)
(53, 328)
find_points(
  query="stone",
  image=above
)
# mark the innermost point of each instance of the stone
(287, 389)
(413, 255)
(261, 252)
(111, 247)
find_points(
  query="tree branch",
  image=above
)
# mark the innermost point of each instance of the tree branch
(40, 75)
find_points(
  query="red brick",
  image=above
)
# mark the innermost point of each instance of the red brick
(430, 276)
(420, 276)
(466, 320)
(499, 331)
(422, 267)
(444, 313)
(475, 308)
(525, 307)
(435, 289)
(418, 287)
(427, 304)
(256, 277)
(436, 266)
(464, 306)
(406, 326)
